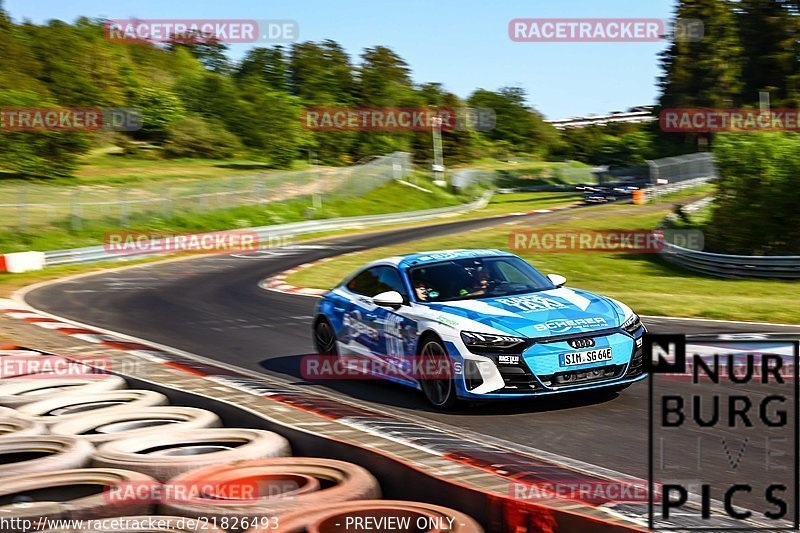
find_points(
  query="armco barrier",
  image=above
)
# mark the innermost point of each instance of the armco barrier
(733, 266)
(92, 254)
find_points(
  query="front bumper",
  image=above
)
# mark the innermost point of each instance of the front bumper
(539, 370)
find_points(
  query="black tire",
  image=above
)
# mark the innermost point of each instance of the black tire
(325, 337)
(441, 390)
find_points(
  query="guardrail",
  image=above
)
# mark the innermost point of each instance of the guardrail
(731, 266)
(93, 254)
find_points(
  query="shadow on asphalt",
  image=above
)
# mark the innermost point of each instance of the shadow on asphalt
(382, 392)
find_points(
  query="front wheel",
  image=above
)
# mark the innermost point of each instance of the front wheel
(325, 338)
(440, 390)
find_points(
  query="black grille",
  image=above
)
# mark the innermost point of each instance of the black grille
(572, 377)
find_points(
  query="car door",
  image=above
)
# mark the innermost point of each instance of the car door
(397, 331)
(362, 317)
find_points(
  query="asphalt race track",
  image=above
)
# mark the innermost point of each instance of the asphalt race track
(212, 306)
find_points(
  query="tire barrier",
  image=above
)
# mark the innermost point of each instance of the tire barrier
(45, 453)
(146, 454)
(70, 407)
(166, 456)
(71, 495)
(147, 524)
(104, 426)
(22, 391)
(14, 425)
(283, 485)
(402, 515)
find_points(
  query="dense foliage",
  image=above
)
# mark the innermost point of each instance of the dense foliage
(195, 102)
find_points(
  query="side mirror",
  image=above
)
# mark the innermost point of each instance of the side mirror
(391, 299)
(557, 279)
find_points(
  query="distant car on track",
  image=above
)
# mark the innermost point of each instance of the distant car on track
(507, 330)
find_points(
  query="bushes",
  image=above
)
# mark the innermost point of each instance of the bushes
(195, 137)
(756, 210)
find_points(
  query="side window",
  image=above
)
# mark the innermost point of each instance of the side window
(365, 283)
(376, 280)
(390, 278)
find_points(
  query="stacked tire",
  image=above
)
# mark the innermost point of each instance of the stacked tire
(91, 449)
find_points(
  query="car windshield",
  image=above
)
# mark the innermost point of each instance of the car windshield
(465, 279)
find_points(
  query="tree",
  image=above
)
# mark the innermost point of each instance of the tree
(384, 79)
(321, 74)
(755, 208)
(195, 137)
(769, 32)
(269, 65)
(209, 50)
(516, 123)
(41, 154)
(704, 73)
(273, 129)
(160, 110)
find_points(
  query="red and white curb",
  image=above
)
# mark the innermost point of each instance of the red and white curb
(22, 261)
(19, 311)
(277, 283)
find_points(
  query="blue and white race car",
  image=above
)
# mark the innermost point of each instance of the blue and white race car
(506, 329)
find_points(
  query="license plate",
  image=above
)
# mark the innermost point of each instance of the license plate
(598, 355)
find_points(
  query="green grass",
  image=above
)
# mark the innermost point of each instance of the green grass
(389, 198)
(643, 281)
(522, 202)
(104, 167)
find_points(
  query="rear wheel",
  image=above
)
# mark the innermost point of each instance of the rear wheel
(441, 389)
(325, 338)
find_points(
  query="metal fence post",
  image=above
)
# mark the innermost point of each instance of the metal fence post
(166, 203)
(76, 223)
(22, 201)
(123, 207)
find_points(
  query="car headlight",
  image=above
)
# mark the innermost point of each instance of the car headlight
(632, 324)
(489, 342)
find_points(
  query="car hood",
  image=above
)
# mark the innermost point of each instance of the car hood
(560, 311)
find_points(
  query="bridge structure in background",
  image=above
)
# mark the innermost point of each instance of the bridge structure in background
(638, 114)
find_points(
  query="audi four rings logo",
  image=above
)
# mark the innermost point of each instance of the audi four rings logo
(581, 343)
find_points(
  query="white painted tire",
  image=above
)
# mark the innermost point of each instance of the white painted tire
(44, 453)
(105, 427)
(73, 406)
(303, 483)
(164, 456)
(14, 424)
(21, 391)
(80, 494)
